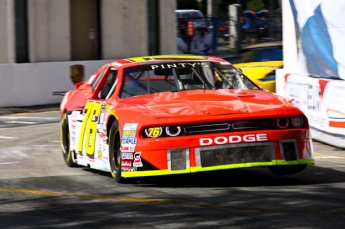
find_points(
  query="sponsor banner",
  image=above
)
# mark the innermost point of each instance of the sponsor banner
(319, 27)
(322, 100)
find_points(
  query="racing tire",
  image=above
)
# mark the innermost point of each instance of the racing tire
(286, 169)
(65, 142)
(115, 152)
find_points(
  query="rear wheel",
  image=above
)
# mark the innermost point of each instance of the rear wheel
(115, 152)
(286, 169)
(65, 142)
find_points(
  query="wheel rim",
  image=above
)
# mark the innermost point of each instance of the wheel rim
(117, 153)
(66, 141)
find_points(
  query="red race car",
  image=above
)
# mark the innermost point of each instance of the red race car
(178, 114)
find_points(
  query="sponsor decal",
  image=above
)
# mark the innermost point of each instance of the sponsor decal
(100, 128)
(75, 114)
(129, 140)
(128, 169)
(137, 160)
(104, 147)
(154, 132)
(179, 65)
(99, 154)
(127, 149)
(126, 164)
(103, 106)
(73, 124)
(127, 156)
(101, 118)
(221, 140)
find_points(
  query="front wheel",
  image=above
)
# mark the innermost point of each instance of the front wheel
(65, 142)
(115, 152)
(286, 169)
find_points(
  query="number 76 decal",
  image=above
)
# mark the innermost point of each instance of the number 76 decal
(89, 128)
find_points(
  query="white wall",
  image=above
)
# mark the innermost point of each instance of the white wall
(7, 54)
(49, 30)
(34, 83)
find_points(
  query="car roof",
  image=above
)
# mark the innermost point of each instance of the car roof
(134, 61)
(265, 44)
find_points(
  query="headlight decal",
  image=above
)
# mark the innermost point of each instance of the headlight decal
(282, 122)
(297, 122)
(153, 132)
(173, 130)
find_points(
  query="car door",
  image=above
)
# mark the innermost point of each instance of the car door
(92, 122)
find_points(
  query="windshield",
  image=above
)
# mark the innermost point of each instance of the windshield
(273, 53)
(179, 76)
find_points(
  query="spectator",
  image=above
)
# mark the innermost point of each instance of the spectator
(202, 42)
(181, 46)
(182, 27)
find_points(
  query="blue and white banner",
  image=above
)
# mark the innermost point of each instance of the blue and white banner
(320, 30)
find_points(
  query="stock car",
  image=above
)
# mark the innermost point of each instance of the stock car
(180, 114)
(260, 61)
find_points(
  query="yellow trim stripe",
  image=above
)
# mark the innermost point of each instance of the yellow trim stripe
(171, 202)
(214, 168)
(320, 155)
(33, 113)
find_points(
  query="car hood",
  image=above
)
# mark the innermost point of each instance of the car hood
(201, 102)
(258, 70)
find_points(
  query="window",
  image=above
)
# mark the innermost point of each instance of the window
(178, 76)
(97, 79)
(21, 31)
(109, 85)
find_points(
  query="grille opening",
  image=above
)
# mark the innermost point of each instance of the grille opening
(235, 155)
(252, 124)
(178, 159)
(217, 127)
(289, 150)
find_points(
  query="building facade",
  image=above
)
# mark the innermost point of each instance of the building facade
(43, 42)
(71, 30)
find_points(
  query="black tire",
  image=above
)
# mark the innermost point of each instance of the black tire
(65, 142)
(286, 169)
(115, 152)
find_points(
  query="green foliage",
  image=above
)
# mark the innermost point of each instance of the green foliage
(255, 5)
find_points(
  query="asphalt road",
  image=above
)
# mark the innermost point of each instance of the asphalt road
(37, 190)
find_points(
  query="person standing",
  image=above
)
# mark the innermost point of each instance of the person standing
(181, 46)
(202, 42)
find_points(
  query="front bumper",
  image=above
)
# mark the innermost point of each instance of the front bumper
(190, 154)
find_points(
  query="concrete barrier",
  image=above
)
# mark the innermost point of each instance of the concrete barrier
(39, 83)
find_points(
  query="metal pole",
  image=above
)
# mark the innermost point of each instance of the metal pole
(270, 32)
(215, 24)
